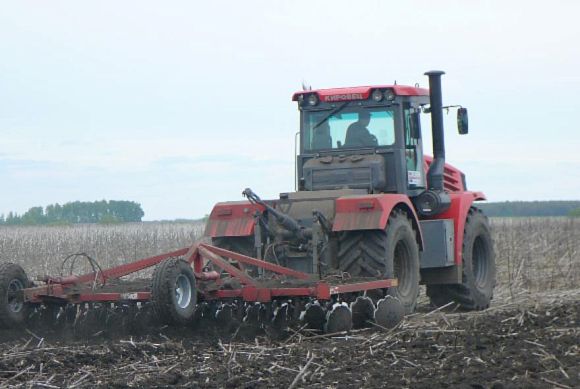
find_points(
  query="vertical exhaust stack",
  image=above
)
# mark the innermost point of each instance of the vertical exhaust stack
(435, 200)
(435, 174)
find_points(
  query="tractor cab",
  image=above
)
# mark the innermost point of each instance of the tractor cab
(369, 138)
(362, 138)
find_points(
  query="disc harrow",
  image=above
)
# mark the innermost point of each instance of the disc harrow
(204, 287)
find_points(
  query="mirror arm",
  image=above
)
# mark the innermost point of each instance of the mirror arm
(448, 107)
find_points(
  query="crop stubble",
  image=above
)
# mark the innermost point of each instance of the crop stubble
(528, 338)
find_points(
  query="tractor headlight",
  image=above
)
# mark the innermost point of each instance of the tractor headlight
(390, 95)
(312, 100)
(377, 95)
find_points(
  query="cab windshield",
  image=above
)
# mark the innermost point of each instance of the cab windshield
(350, 127)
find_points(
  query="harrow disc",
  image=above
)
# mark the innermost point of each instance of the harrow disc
(253, 313)
(338, 319)
(389, 312)
(314, 316)
(282, 316)
(363, 311)
(224, 316)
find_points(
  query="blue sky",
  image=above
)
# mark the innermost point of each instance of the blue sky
(178, 105)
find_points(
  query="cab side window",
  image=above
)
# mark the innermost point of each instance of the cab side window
(413, 148)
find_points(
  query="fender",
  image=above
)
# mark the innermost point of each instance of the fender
(371, 212)
(233, 218)
(460, 204)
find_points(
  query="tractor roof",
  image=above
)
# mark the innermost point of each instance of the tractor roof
(361, 92)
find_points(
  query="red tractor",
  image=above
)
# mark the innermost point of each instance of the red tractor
(369, 203)
(372, 219)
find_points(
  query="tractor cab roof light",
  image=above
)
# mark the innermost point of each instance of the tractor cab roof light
(377, 95)
(312, 99)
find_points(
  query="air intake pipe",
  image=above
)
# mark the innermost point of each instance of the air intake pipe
(435, 174)
(435, 200)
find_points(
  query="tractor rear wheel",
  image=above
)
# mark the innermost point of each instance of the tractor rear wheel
(173, 292)
(478, 278)
(389, 253)
(13, 310)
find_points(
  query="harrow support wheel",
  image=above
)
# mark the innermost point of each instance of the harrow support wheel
(173, 292)
(478, 279)
(13, 310)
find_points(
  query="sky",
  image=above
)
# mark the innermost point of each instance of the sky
(180, 104)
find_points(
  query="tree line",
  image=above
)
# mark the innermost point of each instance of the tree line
(531, 208)
(103, 211)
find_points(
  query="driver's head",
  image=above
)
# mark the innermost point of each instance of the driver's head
(364, 117)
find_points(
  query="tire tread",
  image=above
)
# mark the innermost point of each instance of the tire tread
(463, 294)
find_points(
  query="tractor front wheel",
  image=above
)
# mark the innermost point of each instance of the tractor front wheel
(173, 292)
(389, 253)
(403, 256)
(478, 278)
(13, 310)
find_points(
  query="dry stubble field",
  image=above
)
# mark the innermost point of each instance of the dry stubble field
(528, 337)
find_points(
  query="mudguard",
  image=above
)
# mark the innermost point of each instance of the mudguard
(234, 218)
(371, 212)
(460, 204)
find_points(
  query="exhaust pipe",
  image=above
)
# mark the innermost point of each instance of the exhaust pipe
(435, 174)
(435, 200)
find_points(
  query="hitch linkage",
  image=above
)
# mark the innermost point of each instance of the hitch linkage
(284, 220)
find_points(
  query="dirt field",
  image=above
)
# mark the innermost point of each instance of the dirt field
(528, 338)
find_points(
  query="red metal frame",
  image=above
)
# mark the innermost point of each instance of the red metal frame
(77, 289)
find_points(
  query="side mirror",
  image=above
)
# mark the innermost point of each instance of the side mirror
(462, 121)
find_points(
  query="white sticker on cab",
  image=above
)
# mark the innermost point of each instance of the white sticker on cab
(414, 177)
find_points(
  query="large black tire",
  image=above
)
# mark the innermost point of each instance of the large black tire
(389, 253)
(173, 292)
(362, 253)
(479, 271)
(13, 310)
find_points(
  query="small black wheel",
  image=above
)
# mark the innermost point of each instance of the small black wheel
(13, 310)
(173, 292)
(479, 271)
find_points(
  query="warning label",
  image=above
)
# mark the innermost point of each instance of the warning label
(414, 177)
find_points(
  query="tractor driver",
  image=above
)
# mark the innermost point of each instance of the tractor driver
(358, 134)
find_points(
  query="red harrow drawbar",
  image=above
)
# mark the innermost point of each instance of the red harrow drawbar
(207, 282)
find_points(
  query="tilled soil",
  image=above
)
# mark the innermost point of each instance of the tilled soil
(532, 342)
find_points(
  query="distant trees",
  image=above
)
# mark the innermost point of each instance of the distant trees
(530, 208)
(78, 212)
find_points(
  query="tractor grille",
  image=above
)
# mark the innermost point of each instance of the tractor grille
(356, 178)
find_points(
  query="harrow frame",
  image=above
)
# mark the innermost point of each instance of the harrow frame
(78, 289)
